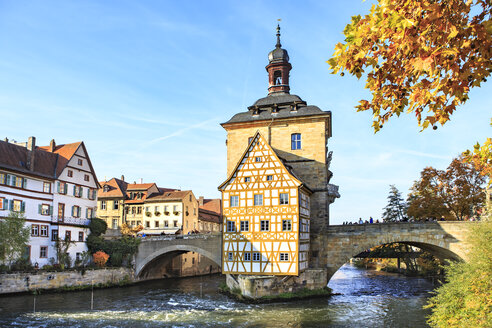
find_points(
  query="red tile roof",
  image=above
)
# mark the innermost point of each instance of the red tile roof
(65, 153)
(117, 188)
(209, 216)
(139, 186)
(213, 205)
(169, 195)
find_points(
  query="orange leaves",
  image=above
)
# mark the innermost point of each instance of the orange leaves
(100, 258)
(417, 55)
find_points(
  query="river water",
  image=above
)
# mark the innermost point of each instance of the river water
(368, 299)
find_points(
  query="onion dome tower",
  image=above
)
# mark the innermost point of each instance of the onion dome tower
(278, 69)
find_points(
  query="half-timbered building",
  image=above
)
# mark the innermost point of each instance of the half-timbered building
(266, 215)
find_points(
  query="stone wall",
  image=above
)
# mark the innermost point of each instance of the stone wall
(25, 282)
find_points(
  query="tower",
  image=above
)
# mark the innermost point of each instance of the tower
(296, 131)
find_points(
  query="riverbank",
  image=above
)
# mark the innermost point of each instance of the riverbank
(41, 281)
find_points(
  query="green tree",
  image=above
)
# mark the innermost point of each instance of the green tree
(14, 236)
(62, 255)
(466, 298)
(396, 208)
(453, 193)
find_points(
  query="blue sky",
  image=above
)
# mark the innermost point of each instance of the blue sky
(145, 85)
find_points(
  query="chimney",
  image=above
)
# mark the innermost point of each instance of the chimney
(6, 139)
(31, 146)
(200, 201)
(52, 146)
(140, 181)
(122, 178)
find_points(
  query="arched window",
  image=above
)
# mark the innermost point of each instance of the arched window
(295, 139)
(277, 77)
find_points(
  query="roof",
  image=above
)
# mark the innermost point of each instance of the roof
(277, 105)
(209, 216)
(65, 153)
(169, 195)
(212, 205)
(14, 157)
(117, 188)
(139, 186)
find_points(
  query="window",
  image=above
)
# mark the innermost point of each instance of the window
(139, 210)
(258, 201)
(34, 230)
(91, 193)
(257, 159)
(166, 224)
(115, 204)
(81, 236)
(244, 226)
(77, 256)
(231, 226)
(61, 211)
(295, 141)
(249, 140)
(247, 179)
(265, 225)
(89, 213)
(77, 191)
(147, 224)
(284, 199)
(115, 223)
(18, 206)
(269, 177)
(106, 188)
(70, 173)
(80, 162)
(45, 209)
(156, 209)
(175, 208)
(3, 204)
(247, 256)
(133, 209)
(43, 252)
(76, 211)
(20, 182)
(44, 231)
(156, 224)
(86, 177)
(175, 223)
(234, 201)
(166, 210)
(54, 235)
(3, 178)
(284, 256)
(68, 235)
(230, 256)
(62, 188)
(286, 225)
(47, 187)
(190, 198)
(256, 256)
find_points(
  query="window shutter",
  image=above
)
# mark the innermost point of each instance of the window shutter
(87, 212)
(79, 211)
(23, 206)
(58, 186)
(5, 204)
(11, 205)
(81, 192)
(74, 188)
(7, 179)
(89, 193)
(13, 180)
(24, 183)
(51, 210)
(73, 209)
(40, 207)
(94, 194)
(65, 189)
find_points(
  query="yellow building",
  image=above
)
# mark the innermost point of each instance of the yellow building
(266, 215)
(293, 137)
(111, 197)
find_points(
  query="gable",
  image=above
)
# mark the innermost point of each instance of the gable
(259, 163)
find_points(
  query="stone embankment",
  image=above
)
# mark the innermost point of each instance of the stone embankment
(68, 280)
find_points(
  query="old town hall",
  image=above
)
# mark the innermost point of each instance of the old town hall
(278, 188)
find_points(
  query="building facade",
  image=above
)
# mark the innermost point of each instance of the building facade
(266, 233)
(55, 188)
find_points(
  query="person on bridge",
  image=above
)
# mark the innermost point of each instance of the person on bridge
(371, 220)
(360, 221)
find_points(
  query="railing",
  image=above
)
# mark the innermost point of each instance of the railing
(70, 220)
(191, 236)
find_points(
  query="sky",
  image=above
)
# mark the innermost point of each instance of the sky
(146, 84)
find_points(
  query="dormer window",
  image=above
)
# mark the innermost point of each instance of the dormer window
(106, 188)
(275, 108)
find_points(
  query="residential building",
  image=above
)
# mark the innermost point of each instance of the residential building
(55, 188)
(111, 197)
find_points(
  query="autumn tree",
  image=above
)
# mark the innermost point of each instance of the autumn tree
(396, 208)
(453, 192)
(418, 56)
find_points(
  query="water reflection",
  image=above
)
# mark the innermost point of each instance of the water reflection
(369, 299)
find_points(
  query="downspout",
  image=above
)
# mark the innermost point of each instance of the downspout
(270, 132)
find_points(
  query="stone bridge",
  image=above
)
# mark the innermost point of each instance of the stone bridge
(330, 249)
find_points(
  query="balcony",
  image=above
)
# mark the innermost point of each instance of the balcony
(70, 220)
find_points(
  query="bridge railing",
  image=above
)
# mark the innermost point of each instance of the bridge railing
(175, 237)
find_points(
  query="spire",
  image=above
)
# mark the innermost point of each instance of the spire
(278, 45)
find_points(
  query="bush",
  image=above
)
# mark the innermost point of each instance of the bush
(98, 227)
(22, 265)
(100, 258)
(116, 259)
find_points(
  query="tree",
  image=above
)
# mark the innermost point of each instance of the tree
(396, 208)
(418, 55)
(62, 255)
(14, 236)
(466, 299)
(455, 192)
(100, 258)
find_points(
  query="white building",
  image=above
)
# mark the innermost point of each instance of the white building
(56, 189)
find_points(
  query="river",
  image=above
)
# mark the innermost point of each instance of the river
(368, 299)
